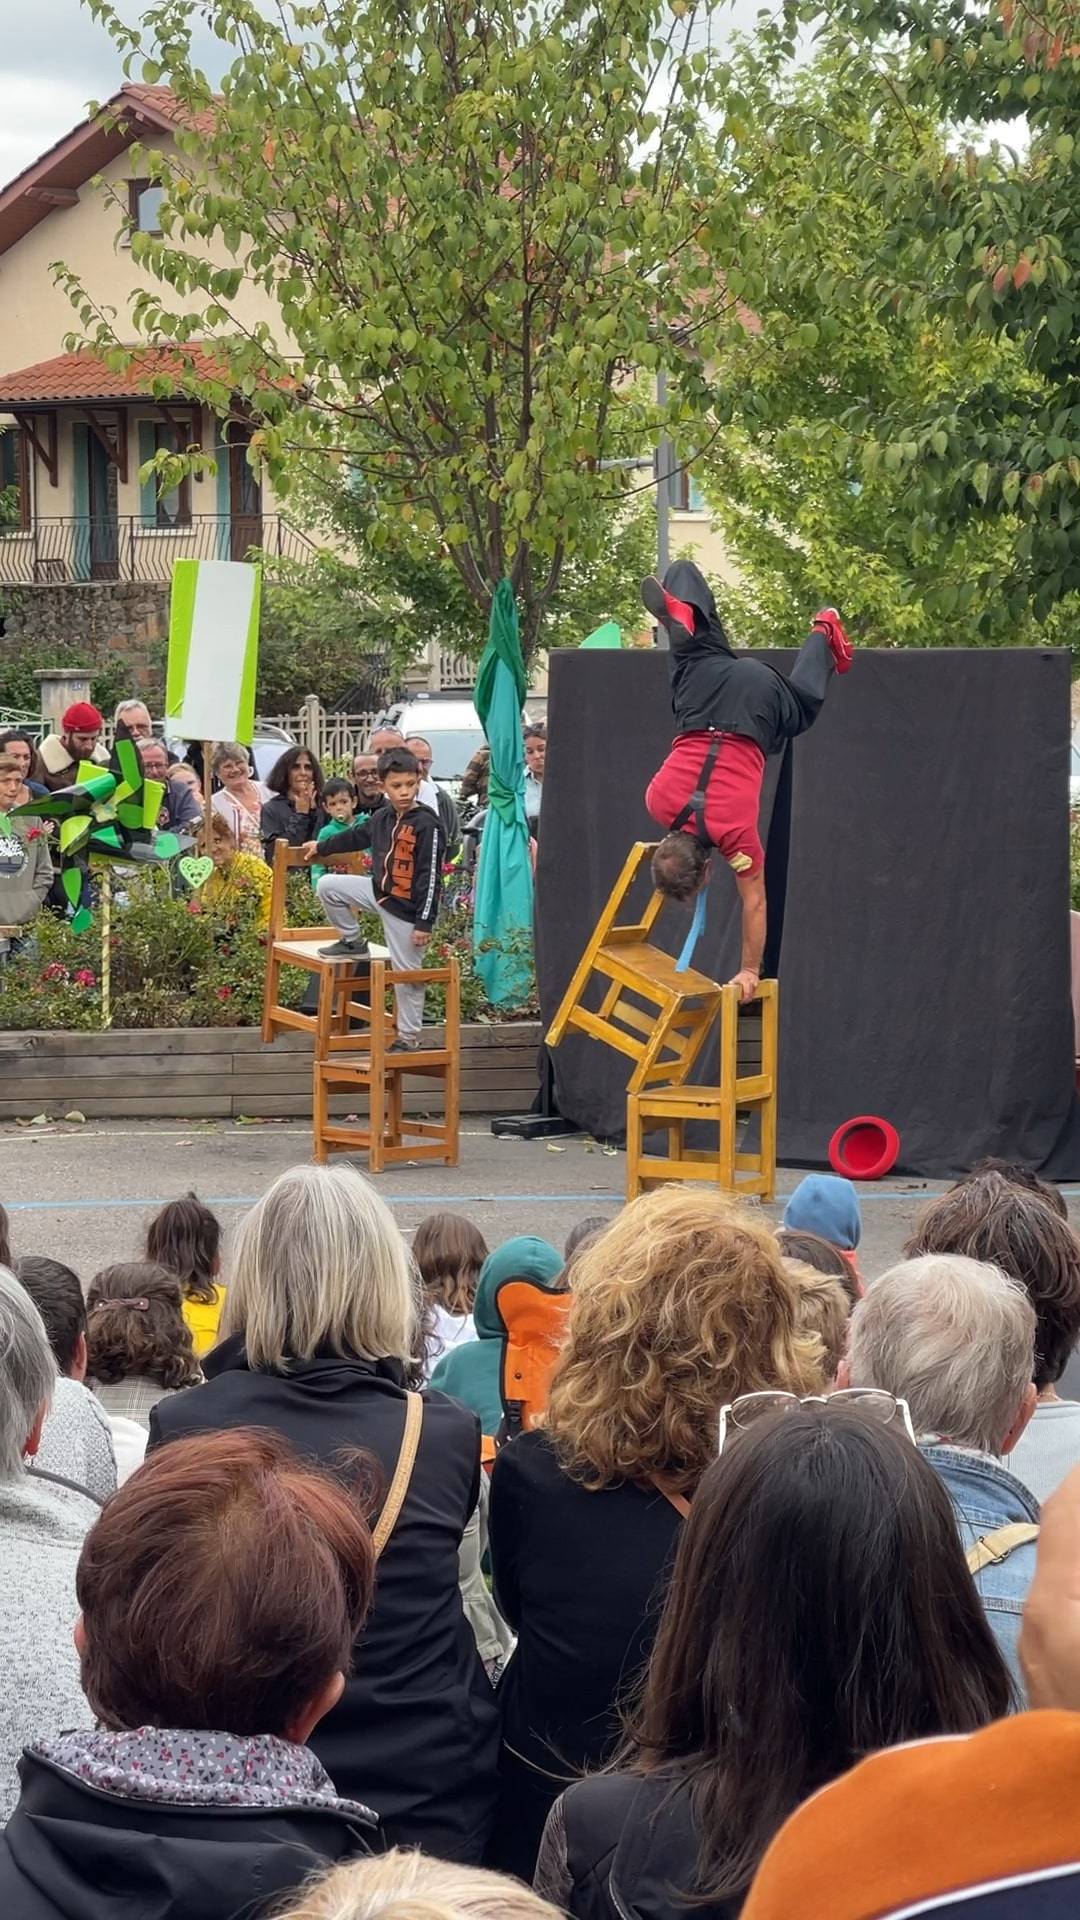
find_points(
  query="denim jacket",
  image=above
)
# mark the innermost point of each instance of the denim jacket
(986, 1496)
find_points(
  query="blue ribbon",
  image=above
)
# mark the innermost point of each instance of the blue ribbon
(697, 928)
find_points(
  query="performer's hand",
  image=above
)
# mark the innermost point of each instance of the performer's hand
(419, 937)
(308, 851)
(748, 983)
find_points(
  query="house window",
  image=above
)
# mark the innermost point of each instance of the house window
(687, 494)
(144, 205)
(173, 509)
(14, 479)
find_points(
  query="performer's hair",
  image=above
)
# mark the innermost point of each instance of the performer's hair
(679, 865)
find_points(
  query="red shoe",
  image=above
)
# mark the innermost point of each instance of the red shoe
(675, 616)
(829, 623)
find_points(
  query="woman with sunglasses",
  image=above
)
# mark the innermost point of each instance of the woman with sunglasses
(820, 1608)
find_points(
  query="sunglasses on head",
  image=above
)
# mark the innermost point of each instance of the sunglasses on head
(872, 1402)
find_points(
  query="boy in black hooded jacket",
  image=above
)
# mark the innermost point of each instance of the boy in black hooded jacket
(405, 840)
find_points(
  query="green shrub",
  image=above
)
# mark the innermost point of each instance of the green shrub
(180, 961)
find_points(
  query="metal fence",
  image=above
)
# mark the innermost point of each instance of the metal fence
(329, 736)
(75, 547)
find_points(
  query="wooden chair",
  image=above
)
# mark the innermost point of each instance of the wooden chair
(664, 1037)
(673, 1108)
(299, 947)
(359, 1063)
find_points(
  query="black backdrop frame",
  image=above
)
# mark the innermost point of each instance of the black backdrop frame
(918, 878)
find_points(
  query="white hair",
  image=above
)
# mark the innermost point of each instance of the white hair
(953, 1337)
(27, 1372)
(125, 706)
(408, 1886)
(320, 1262)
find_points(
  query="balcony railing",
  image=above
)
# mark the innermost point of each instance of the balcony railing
(78, 547)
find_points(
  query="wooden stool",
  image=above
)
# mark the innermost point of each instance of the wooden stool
(361, 1062)
(299, 947)
(674, 1107)
(664, 1037)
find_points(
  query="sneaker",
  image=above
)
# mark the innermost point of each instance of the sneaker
(675, 616)
(404, 1046)
(349, 947)
(831, 625)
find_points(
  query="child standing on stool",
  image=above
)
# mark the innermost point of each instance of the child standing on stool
(405, 841)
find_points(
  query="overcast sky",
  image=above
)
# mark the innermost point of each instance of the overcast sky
(59, 59)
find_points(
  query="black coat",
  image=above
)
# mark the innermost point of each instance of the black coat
(714, 687)
(624, 1846)
(581, 1578)
(416, 1733)
(72, 1852)
(279, 820)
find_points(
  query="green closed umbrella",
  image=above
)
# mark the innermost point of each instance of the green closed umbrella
(502, 919)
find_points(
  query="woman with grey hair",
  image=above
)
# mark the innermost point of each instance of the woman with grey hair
(41, 1533)
(240, 798)
(321, 1342)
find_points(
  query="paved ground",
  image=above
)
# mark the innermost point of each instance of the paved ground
(90, 1188)
(84, 1193)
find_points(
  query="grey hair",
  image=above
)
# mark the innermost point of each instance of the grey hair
(27, 1372)
(953, 1337)
(125, 706)
(230, 750)
(320, 1262)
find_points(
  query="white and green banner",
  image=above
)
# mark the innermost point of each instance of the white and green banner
(213, 650)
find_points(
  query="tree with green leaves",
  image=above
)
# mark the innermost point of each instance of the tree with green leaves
(813, 506)
(486, 229)
(969, 244)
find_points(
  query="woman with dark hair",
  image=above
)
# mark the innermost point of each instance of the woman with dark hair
(23, 747)
(222, 1591)
(186, 1237)
(138, 1350)
(294, 813)
(820, 1608)
(990, 1216)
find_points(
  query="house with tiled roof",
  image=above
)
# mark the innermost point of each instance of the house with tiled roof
(78, 430)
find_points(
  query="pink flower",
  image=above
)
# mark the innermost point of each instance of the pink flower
(84, 978)
(55, 971)
(224, 993)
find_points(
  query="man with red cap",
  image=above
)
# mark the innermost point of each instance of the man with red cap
(79, 739)
(732, 711)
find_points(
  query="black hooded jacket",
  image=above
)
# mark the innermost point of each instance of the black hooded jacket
(72, 1851)
(623, 1846)
(716, 689)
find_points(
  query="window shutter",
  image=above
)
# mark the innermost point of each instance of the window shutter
(147, 488)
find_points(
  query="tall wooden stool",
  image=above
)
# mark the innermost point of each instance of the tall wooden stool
(359, 1062)
(674, 1107)
(299, 947)
(663, 1037)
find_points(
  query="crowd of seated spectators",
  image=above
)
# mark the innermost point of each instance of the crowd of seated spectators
(743, 1605)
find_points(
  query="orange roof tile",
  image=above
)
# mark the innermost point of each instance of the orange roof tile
(84, 376)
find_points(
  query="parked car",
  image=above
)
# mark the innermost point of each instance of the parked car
(452, 724)
(266, 748)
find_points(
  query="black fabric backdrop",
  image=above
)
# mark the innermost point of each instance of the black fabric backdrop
(917, 868)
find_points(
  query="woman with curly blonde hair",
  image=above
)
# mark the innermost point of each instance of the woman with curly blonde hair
(682, 1305)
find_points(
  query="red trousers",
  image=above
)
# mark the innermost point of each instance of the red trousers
(732, 798)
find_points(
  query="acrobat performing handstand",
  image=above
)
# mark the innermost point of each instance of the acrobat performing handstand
(733, 711)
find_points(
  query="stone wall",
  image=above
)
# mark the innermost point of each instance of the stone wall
(114, 622)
